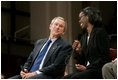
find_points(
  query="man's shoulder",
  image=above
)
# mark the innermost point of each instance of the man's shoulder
(40, 40)
(64, 42)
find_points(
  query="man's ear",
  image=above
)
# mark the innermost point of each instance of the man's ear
(63, 33)
(49, 26)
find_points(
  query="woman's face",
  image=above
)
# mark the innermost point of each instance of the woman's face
(83, 20)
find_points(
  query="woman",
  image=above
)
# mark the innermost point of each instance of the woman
(91, 52)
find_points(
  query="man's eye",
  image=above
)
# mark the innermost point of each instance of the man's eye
(61, 26)
(56, 24)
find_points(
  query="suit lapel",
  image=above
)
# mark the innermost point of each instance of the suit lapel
(38, 48)
(51, 51)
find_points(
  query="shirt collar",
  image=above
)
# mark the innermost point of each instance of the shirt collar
(53, 40)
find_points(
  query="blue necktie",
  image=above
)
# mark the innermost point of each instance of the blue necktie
(40, 56)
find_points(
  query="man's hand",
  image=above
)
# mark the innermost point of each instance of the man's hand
(80, 67)
(23, 72)
(27, 75)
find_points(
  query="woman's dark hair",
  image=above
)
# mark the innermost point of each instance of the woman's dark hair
(94, 15)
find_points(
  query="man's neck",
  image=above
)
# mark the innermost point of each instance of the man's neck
(53, 37)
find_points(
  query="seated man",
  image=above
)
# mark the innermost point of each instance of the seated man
(109, 70)
(47, 60)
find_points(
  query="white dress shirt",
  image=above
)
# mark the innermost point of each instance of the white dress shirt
(40, 67)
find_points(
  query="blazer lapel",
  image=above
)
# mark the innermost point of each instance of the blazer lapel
(52, 49)
(38, 48)
(84, 41)
(90, 39)
(50, 52)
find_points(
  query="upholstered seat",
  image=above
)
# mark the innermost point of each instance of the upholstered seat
(113, 53)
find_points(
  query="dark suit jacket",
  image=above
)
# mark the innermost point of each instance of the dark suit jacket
(97, 50)
(54, 63)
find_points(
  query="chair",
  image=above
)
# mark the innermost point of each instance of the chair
(113, 53)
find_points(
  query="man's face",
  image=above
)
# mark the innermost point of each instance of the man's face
(83, 20)
(57, 28)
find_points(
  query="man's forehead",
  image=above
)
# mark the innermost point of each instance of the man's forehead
(59, 20)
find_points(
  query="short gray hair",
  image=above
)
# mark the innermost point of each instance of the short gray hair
(61, 18)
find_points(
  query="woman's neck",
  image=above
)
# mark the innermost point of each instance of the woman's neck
(89, 28)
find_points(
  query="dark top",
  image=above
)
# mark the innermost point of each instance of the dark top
(54, 63)
(97, 50)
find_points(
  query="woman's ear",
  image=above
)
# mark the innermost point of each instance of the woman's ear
(87, 17)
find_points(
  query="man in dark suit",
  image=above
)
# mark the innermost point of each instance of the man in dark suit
(52, 64)
(91, 52)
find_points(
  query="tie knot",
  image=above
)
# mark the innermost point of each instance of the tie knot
(49, 41)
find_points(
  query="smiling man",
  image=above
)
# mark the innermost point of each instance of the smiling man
(47, 60)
